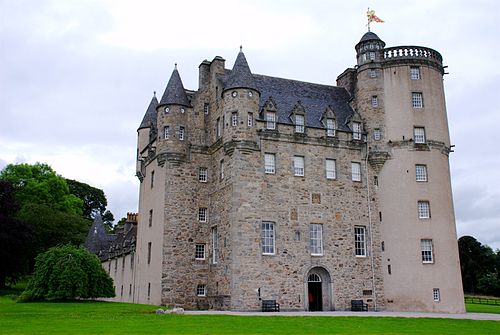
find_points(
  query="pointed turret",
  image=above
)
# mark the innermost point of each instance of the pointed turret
(240, 76)
(150, 115)
(97, 238)
(175, 94)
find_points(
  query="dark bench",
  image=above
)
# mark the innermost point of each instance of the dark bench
(270, 306)
(358, 306)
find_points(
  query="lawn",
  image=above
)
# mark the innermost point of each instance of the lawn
(477, 308)
(120, 318)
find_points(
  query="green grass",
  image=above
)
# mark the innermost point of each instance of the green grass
(477, 308)
(121, 318)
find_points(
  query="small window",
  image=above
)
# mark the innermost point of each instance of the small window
(426, 248)
(123, 263)
(215, 245)
(414, 73)
(377, 135)
(201, 290)
(360, 241)
(166, 132)
(149, 290)
(356, 130)
(371, 55)
(270, 163)
(234, 119)
(152, 178)
(202, 174)
(150, 217)
(299, 123)
(330, 127)
(355, 171)
(167, 110)
(298, 166)
(199, 252)
(420, 172)
(417, 100)
(221, 169)
(206, 108)
(149, 252)
(316, 239)
(219, 128)
(330, 169)
(436, 295)
(250, 119)
(372, 73)
(267, 238)
(181, 133)
(424, 210)
(419, 135)
(202, 214)
(271, 120)
(374, 101)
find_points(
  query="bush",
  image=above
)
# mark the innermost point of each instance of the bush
(68, 273)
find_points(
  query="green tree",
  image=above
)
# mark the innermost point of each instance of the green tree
(68, 272)
(94, 199)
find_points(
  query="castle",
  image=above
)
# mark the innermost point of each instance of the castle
(256, 187)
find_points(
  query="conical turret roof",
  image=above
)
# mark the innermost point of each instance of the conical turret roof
(240, 76)
(174, 93)
(150, 115)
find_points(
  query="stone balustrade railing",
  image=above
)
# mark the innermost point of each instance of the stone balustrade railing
(408, 52)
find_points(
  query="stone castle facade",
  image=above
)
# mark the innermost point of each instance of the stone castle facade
(256, 187)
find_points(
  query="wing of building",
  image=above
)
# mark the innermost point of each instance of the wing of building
(261, 188)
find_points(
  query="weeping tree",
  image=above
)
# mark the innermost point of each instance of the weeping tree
(68, 272)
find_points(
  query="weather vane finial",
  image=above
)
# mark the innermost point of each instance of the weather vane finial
(370, 14)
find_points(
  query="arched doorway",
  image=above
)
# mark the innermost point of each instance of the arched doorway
(318, 286)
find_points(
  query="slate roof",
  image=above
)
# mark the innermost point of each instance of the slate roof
(369, 36)
(97, 238)
(150, 115)
(240, 76)
(175, 94)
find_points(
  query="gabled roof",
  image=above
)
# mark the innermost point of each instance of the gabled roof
(175, 94)
(150, 115)
(240, 76)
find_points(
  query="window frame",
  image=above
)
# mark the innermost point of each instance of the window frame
(182, 133)
(427, 251)
(436, 295)
(356, 175)
(417, 100)
(234, 119)
(250, 119)
(374, 101)
(200, 252)
(202, 174)
(300, 126)
(421, 137)
(421, 173)
(330, 127)
(415, 73)
(166, 132)
(269, 163)
(377, 134)
(298, 171)
(202, 214)
(270, 120)
(268, 238)
(424, 209)
(360, 241)
(215, 244)
(316, 235)
(221, 169)
(356, 130)
(201, 290)
(332, 169)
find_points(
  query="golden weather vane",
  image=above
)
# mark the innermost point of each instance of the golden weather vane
(370, 14)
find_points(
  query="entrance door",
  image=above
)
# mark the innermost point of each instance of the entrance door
(315, 293)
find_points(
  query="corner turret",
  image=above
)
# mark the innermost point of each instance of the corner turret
(369, 49)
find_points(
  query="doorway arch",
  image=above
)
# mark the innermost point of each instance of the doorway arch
(318, 287)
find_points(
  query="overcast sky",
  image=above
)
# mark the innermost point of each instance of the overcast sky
(76, 77)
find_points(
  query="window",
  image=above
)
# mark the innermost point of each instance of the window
(202, 214)
(215, 246)
(419, 134)
(206, 108)
(417, 100)
(123, 263)
(355, 171)
(424, 210)
(234, 119)
(181, 133)
(316, 239)
(116, 264)
(270, 163)
(221, 169)
(372, 73)
(420, 172)
(356, 131)
(203, 174)
(149, 252)
(201, 290)
(426, 248)
(330, 127)
(330, 169)
(267, 238)
(167, 110)
(298, 166)
(271, 120)
(374, 101)
(299, 123)
(377, 135)
(436, 295)
(414, 73)
(250, 119)
(199, 252)
(149, 290)
(360, 241)
(166, 132)
(150, 217)
(152, 178)
(219, 128)
(371, 55)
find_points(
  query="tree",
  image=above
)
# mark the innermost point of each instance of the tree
(94, 199)
(68, 272)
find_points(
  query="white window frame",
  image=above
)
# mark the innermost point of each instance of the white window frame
(330, 168)
(374, 101)
(234, 119)
(330, 127)
(202, 174)
(372, 73)
(360, 241)
(202, 214)
(424, 209)
(316, 239)
(206, 108)
(371, 55)
(201, 290)
(215, 245)
(250, 119)
(356, 130)
(426, 249)
(182, 132)
(419, 135)
(298, 166)
(268, 238)
(436, 295)
(271, 120)
(377, 134)
(417, 100)
(199, 253)
(270, 163)
(420, 172)
(221, 169)
(300, 123)
(166, 132)
(356, 171)
(415, 73)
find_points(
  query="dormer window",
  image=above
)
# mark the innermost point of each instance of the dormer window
(356, 130)
(299, 123)
(271, 120)
(330, 127)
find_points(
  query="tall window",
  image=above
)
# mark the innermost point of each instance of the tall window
(330, 169)
(426, 248)
(420, 172)
(298, 165)
(152, 178)
(419, 134)
(219, 128)
(316, 239)
(150, 217)
(234, 119)
(374, 101)
(182, 131)
(215, 246)
(417, 100)
(250, 119)
(149, 252)
(360, 241)
(166, 132)
(270, 163)
(271, 120)
(206, 108)
(267, 237)
(356, 130)
(199, 252)
(436, 295)
(202, 214)
(414, 73)
(202, 174)
(424, 210)
(201, 290)
(299, 123)
(221, 169)
(377, 135)
(356, 171)
(330, 127)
